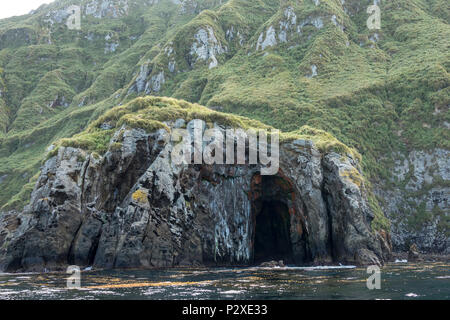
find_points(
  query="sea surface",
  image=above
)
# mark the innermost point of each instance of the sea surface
(399, 280)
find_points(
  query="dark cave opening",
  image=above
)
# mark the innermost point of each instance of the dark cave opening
(272, 233)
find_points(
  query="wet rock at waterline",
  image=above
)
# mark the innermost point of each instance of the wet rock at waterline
(272, 264)
(414, 254)
(135, 208)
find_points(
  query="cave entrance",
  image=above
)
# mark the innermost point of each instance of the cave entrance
(278, 221)
(272, 233)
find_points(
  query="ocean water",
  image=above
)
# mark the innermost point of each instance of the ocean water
(398, 281)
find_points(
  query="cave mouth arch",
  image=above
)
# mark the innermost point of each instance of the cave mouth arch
(272, 216)
(272, 233)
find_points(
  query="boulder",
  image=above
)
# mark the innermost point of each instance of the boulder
(272, 264)
(366, 257)
(414, 254)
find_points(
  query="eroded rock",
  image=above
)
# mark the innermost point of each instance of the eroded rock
(419, 207)
(206, 47)
(134, 208)
(272, 264)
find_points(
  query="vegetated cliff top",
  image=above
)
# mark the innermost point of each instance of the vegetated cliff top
(152, 113)
(288, 64)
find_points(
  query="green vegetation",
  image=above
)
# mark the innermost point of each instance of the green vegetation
(377, 92)
(23, 197)
(149, 113)
(380, 221)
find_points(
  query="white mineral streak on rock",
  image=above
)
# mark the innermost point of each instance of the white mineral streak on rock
(313, 71)
(206, 46)
(107, 8)
(231, 34)
(111, 47)
(171, 66)
(56, 16)
(155, 83)
(269, 41)
(288, 24)
(142, 77)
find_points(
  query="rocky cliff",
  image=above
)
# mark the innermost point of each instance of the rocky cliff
(289, 64)
(418, 203)
(134, 207)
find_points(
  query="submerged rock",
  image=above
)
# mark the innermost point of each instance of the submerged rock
(135, 208)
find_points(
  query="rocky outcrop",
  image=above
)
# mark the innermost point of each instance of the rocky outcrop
(418, 205)
(413, 254)
(206, 47)
(107, 8)
(98, 9)
(134, 207)
(148, 82)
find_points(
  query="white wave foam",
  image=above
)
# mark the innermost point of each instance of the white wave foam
(317, 268)
(233, 292)
(412, 295)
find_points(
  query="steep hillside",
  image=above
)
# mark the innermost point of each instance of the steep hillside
(285, 63)
(135, 205)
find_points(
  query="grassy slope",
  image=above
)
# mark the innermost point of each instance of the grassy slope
(151, 113)
(378, 97)
(73, 67)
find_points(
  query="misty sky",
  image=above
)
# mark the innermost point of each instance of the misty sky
(9, 8)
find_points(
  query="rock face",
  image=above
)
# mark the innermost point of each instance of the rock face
(206, 47)
(134, 207)
(289, 28)
(418, 206)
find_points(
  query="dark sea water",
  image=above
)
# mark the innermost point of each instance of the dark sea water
(398, 281)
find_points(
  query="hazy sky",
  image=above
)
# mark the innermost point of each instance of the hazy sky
(9, 8)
